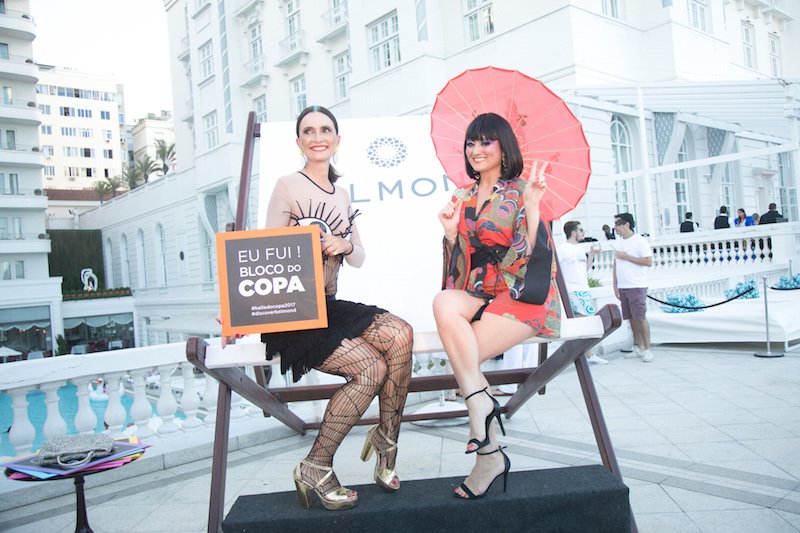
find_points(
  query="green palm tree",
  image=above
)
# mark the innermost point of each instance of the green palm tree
(103, 188)
(131, 176)
(146, 166)
(114, 183)
(165, 154)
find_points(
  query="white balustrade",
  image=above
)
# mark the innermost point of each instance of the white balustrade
(141, 410)
(85, 419)
(115, 413)
(54, 424)
(167, 406)
(22, 431)
(210, 395)
(190, 401)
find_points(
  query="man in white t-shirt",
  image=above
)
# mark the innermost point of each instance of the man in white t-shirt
(632, 257)
(575, 263)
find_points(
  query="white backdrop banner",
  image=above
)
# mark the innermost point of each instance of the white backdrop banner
(390, 170)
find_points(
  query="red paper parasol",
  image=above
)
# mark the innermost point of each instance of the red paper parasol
(545, 128)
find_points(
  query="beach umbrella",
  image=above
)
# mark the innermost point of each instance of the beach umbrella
(545, 128)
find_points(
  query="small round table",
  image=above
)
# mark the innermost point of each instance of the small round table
(82, 521)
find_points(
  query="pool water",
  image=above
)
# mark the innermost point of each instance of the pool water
(67, 406)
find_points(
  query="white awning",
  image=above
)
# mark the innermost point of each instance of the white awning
(758, 106)
(191, 324)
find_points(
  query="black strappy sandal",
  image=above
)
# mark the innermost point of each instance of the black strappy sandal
(494, 414)
(471, 495)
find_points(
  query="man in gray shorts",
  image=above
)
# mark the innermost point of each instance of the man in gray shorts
(632, 257)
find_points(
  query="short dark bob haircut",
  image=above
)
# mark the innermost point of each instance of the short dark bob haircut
(333, 175)
(493, 127)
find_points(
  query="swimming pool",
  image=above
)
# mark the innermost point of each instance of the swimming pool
(67, 406)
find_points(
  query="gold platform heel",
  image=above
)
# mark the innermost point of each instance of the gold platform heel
(383, 476)
(336, 500)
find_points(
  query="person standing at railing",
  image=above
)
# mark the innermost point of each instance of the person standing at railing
(689, 225)
(575, 264)
(368, 346)
(632, 257)
(772, 216)
(497, 257)
(722, 222)
(742, 219)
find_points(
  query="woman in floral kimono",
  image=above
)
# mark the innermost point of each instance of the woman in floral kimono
(496, 258)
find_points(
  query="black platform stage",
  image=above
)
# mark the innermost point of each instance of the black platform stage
(573, 499)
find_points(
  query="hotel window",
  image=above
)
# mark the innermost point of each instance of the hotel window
(44, 108)
(698, 15)
(124, 261)
(105, 115)
(787, 190)
(8, 95)
(422, 21)
(161, 256)
(727, 186)
(383, 38)
(292, 17)
(298, 86)
(68, 132)
(10, 185)
(210, 128)
(341, 75)
(46, 130)
(3, 51)
(10, 140)
(621, 153)
(682, 185)
(108, 153)
(108, 253)
(84, 113)
(49, 171)
(775, 56)
(260, 107)
(88, 133)
(208, 255)
(47, 149)
(206, 60)
(19, 269)
(5, 270)
(106, 135)
(256, 49)
(141, 262)
(748, 45)
(479, 19)
(611, 9)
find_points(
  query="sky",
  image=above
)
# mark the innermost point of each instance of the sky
(123, 39)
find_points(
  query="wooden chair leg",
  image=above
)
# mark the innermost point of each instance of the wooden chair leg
(542, 357)
(219, 462)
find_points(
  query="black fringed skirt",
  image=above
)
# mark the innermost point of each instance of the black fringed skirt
(303, 350)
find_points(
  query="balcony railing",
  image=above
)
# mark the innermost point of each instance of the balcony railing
(334, 22)
(255, 72)
(292, 48)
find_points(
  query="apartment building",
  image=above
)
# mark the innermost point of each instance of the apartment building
(727, 64)
(82, 127)
(30, 305)
(147, 132)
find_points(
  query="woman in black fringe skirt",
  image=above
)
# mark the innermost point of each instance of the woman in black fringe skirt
(367, 345)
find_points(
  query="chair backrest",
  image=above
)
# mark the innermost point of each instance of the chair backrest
(35, 355)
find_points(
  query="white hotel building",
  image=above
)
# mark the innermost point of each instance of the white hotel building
(687, 105)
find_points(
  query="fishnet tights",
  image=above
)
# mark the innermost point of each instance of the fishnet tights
(379, 361)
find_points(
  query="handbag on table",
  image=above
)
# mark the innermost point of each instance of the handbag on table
(75, 450)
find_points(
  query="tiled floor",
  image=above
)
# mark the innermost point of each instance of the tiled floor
(708, 440)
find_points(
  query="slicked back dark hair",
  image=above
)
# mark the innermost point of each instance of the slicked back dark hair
(333, 175)
(491, 127)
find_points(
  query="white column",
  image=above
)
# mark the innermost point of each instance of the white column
(645, 225)
(22, 431)
(190, 401)
(85, 419)
(54, 424)
(115, 412)
(166, 405)
(141, 411)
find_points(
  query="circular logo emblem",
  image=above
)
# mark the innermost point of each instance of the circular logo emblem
(386, 152)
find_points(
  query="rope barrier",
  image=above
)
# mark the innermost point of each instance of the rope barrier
(702, 306)
(785, 288)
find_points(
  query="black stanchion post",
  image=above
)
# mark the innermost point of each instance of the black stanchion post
(768, 353)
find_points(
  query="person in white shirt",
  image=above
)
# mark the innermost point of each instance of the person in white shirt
(575, 263)
(632, 257)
